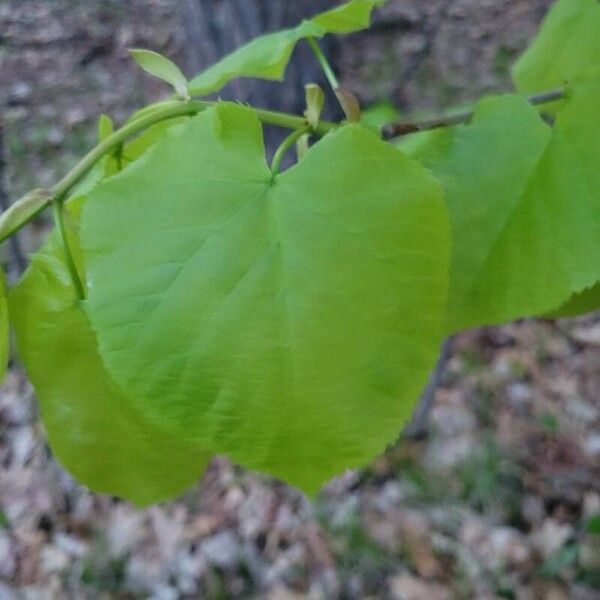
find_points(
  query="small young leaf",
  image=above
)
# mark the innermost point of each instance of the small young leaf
(302, 146)
(349, 104)
(348, 18)
(105, 127)
(315, 100)
(159, 66)
(567, 49)
(289, 322)
(22, 211)
(94, 429)
(267, 57)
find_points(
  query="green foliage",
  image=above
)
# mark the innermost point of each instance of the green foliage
(4, 327)
(592, 525)
(579, 304)
(159, 66)
(315, 101)
(224, 309)
(378, 115)
(516, 191)
(290, 320)
(267, 57)
(94, 429)
(105, 127)
(566, 51)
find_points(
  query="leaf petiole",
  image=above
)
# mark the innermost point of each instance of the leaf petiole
(59, 222)
(289, 141)
(327, 70)
(171, 110)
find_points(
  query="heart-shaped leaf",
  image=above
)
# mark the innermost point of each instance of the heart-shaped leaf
(567, 49)
(267, 57)
(315, 100)
(94, 429)
(289, 321)
(524, 201)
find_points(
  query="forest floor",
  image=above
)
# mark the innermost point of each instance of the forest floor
(495, 503)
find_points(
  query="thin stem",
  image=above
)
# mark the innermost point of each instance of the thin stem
(112, 142)
(171, 111)
(288, 121)
(329, 74)
(178, 109)
(289, 141)
(192, 107)
(59, 222)
(394, 130)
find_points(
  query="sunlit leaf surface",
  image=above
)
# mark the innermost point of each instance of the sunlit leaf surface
(290, 321)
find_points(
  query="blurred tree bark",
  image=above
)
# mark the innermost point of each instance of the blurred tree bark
(17, 262)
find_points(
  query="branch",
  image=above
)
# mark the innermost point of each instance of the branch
(395, 130)
(171, 110)
(418, 427)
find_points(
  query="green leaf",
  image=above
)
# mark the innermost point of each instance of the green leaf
(22, 211)
(135, 148)
(524, 203)
(583, 303)
(290, 321)
(378, 115)
(132, 150)
(159, 66)
(105, 128)
(349, 103)
(267, 57)
(94, 429)
(315, 100)
(567, 49)
(4, 327)
(141, 144)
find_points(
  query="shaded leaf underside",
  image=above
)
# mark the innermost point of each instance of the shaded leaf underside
(94, 429)
(524, 202)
